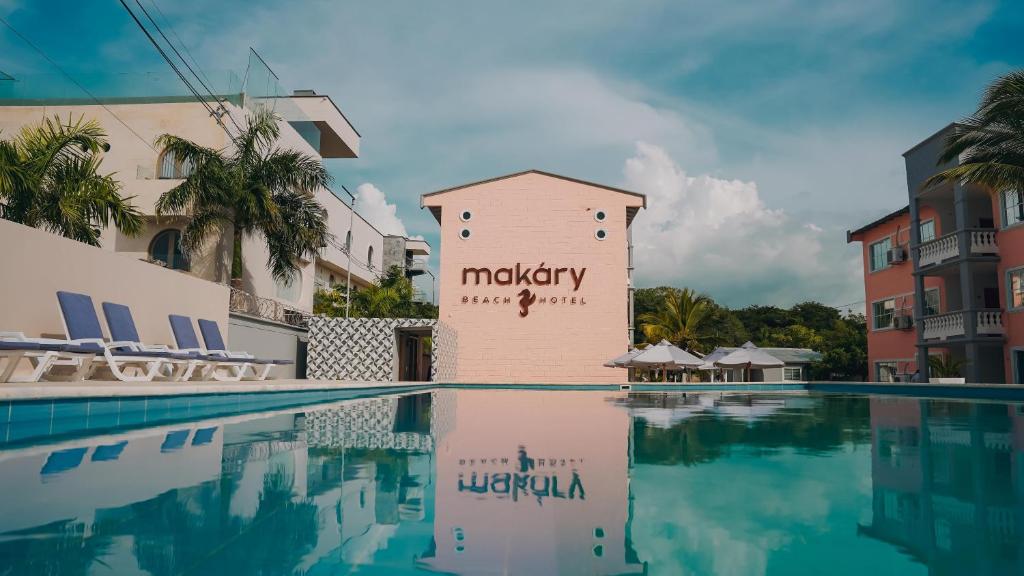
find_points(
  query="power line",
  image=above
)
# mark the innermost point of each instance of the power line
(177, 71)
(180, 41)
(185, 62)
(75, 82)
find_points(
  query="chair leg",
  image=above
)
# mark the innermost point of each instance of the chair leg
(13, 359)
(153, 367)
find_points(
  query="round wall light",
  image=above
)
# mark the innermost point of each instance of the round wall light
(465, 233)
(600, 215)
(601, 234)
(465, 216)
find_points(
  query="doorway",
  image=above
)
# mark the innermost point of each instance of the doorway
(413, 351)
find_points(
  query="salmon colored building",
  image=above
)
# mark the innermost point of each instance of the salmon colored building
(535, 277)
(946, 275)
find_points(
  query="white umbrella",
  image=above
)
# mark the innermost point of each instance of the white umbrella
(747, 357)
(665, 355)
(622, 361)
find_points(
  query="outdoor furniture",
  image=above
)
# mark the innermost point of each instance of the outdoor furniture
(666, 356)
(749, 357)
(82, 327)
(187, 341)
(43, 354)
(215, 344)
(122, 329)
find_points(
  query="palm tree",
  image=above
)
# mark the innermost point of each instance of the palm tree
(679, 319)
(255, 187)
(990, 143)
(49, 179)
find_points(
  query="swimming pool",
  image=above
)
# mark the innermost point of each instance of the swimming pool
(464, 481)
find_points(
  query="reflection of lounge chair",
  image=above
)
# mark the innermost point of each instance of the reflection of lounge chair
(175, 441)
(83, 329)
(122, 328)
(203, 436)
(63, 460)
(215, 344)
(108, 452)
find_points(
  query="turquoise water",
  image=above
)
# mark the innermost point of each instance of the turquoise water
(514, 482)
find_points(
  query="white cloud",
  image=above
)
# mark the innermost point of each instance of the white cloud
(718, 236)
(373, 205)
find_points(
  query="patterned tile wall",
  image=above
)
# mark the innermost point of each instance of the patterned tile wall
(363, 349)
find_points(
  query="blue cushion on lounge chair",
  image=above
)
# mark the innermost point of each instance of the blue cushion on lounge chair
(211, 335)
(120, 322)
(108, 452)
(14, 345)
(79, 316)
(63, 460)
(174, 440)
(184, 333)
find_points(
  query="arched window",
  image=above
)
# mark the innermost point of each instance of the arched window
(348, 241)
(166, 247)
(369, 257)
(171, 168)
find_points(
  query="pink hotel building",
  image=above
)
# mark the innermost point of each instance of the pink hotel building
(945, 275)
(535, 277)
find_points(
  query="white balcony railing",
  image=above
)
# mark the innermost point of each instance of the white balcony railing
(983, 241)
(938, 250)
(942, 326)
(991, 322)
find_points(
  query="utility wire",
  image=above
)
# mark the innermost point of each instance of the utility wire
(180, 41)
(153, 41)
(75, 82)
(185, 62)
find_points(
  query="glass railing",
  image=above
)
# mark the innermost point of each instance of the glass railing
(114, 88)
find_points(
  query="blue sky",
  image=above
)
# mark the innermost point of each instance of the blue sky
(761, 131)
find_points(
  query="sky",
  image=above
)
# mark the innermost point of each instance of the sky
(761, 131)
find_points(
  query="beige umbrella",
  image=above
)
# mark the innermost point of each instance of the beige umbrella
(665, 355)
(748, 357)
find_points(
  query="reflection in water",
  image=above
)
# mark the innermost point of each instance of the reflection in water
(514, 482)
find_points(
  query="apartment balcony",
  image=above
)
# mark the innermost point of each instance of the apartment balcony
(947, 248)
(988, 322)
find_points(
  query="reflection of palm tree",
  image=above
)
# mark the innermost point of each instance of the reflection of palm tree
(57, 548)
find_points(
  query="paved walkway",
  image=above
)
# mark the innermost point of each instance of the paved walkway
(115, 389)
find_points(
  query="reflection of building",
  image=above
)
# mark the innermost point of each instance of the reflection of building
(948, 481)
(537, 484)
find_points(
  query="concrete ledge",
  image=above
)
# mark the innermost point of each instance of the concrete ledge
(106, 389)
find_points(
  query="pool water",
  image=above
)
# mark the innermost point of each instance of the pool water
(526, 482)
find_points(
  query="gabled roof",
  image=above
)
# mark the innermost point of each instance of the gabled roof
(787, 355)
(630, 212)
(896, 214)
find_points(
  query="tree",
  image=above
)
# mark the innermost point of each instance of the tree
(989, 144)
(255, 187)
(389, 297)
(679, 319)
(49, 179)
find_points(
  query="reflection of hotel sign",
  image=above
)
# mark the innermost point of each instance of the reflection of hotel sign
(537, 477)
(520, 275)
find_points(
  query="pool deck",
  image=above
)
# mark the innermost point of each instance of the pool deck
(94, 389)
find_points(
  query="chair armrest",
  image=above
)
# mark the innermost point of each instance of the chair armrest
(155, 348)
(133, 346)
(13, 336)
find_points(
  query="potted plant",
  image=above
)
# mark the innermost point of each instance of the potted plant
(945, 369)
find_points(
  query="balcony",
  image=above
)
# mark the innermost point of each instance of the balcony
(989, 322)
(245, 303)
(939, 250)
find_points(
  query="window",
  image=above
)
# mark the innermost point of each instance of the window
(291, 288)
(466, 216)
(927, 230)
(600, 215)
(348, 241)
(601, 234)
(465, 234)
(171, 168)
(886, 371)
(166, 248)
(369, 257)
(1013, 207)
(882, 314)
(931, 302)
(880, 254)
(1015, 295)
(791, 373)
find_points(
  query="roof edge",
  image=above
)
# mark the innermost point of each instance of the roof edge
(894, 214)
(542, 173)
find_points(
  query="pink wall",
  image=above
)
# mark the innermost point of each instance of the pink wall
(1011, 255)
(535, 220)
(894, 281)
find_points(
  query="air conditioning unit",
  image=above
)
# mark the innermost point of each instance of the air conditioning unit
(897, 255)
(904, 322)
